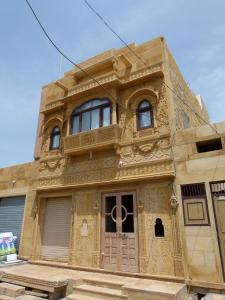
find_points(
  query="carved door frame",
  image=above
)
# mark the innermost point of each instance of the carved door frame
(119, 235)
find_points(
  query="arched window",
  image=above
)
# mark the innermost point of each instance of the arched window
(159, 228)
(55, 138)
(144, 115)
(91, 115)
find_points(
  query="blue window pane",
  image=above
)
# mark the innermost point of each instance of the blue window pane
(86, 121)
(95, 114)
(76, 125)
(91, 104)
(55, 141)
(145, 119)
(106, 116)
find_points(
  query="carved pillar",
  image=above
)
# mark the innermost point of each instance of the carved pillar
(72, 259)
(72, 233)
(96, 260)
(68, 127)
(38, 211)
(177, 249)
(114, 117)
(142, 233)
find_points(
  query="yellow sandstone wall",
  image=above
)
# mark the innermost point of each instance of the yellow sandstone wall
(201, 244)
(182, 98)
(18, 181)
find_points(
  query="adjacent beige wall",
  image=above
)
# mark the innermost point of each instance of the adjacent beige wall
(201, 244)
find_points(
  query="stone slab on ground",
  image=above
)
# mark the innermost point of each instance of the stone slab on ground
(3, 297)
(51, 277)
(212, 296)
(28, 297)
(156, 290)
(11, 290)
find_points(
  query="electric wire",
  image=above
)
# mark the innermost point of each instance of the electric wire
(114, 32)
(177, 96)
(92, 77)
(143, 62)
(67, 58)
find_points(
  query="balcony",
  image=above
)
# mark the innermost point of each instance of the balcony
(52, 106)
(94, 140)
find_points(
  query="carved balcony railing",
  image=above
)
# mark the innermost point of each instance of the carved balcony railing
(94, 140)
(52, 106)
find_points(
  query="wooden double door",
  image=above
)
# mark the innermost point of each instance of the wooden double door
(119, 232)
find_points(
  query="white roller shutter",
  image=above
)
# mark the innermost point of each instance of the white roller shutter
(56, 230)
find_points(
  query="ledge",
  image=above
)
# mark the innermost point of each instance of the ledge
(52, 106)
(72, 181)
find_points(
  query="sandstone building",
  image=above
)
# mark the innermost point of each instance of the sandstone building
(124, 177)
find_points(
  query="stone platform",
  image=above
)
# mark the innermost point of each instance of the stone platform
(89, 285)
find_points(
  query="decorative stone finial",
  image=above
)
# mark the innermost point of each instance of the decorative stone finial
(173, 201)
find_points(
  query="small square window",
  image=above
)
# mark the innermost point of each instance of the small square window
(195, 206)
(209, 145)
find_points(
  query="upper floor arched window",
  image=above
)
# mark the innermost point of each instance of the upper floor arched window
(55, 138)
(91, 115)
(144, 115)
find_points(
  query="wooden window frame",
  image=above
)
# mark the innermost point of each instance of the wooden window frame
(142, 110)
(201, 197)
(52, 136)
(79, 114)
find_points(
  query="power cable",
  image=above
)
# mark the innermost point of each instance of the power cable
(113, 31)
(72, 62)
(193, 110)
(92, 77)
(67, 58)
(143, 62)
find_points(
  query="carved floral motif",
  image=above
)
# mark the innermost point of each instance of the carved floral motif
(162, 115)
(53, 166)
(145, 151)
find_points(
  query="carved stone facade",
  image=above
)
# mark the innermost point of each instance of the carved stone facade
(119, 159)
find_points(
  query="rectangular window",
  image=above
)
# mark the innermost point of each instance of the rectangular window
(145, 119)
(210, 145)
(195, 207)
(76, 124)
(95, 119)
(55, 142)
(86, 121)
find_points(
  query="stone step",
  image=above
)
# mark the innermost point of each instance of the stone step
(157, 290)
(81, 297)
(96, 292)
(103, 283)
(11, 290)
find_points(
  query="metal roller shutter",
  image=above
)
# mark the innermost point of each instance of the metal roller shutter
(56, 230)
(11, 216)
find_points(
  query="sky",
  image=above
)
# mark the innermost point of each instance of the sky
(194, 31)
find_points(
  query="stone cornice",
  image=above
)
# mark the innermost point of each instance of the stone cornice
(111, 78)
(139, 171)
